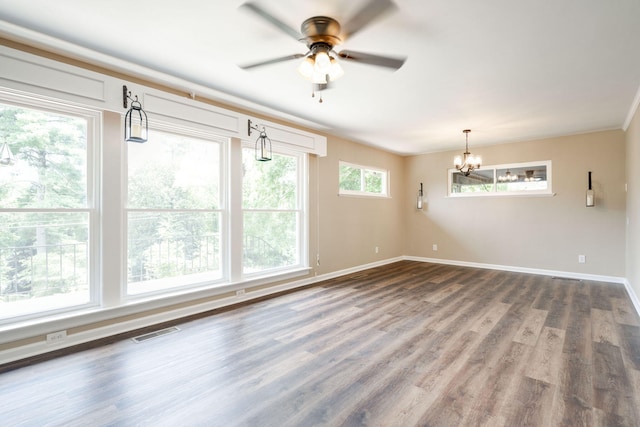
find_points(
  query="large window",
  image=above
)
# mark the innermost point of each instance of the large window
(356, 180)
(174, 201)
(46, 208)
(272, 203)
(515, 179)
(90, 222)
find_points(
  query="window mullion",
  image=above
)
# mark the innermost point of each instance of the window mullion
(113, 236)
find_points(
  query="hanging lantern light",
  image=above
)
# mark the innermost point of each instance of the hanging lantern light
(6, 156)
(136, 125)
(263, 150)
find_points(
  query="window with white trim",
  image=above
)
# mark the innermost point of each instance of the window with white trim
(358, 180)
(273, 211)
(179, 214)
(174, 211)
(515, 179)
(47, 207)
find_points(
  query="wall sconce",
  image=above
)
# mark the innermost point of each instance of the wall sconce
(136, 125)
(6, 156)
(264, 152)
(420, 198)
(591, 197)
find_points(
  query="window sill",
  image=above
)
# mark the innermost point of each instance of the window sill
(497, 195)
(365, 196)
(224, 293)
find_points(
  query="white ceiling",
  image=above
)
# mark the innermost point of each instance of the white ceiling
(509, 70)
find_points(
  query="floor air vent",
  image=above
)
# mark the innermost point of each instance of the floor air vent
(155, 334)
(566, 278)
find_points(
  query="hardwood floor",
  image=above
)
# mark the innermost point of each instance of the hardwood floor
(400, 345)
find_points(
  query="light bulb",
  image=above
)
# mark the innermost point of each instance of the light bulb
(335, 71)
(306, 68)
(323, 63)
(457, 161)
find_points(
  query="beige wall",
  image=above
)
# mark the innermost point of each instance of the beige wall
(531, 232)
(350, 228)
(633, 204)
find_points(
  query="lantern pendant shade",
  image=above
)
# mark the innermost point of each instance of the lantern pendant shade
(136, 125)
(263, 147)
(263, 151)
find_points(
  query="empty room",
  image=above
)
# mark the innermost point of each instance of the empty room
(319, 213)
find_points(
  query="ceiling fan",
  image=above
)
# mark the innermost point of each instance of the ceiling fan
(321, 34)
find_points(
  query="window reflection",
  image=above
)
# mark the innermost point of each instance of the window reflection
(511, 179)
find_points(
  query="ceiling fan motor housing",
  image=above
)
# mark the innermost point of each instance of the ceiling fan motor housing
(321, 29)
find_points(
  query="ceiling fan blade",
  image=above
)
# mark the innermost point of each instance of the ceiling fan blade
(272, 61)
(367, 13)
(272, 20)
(368, 58)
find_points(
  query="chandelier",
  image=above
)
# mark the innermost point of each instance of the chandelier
(467, 162)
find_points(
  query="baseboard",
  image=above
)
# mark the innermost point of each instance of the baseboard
(633, 296)
(555, 273)
(542, 272)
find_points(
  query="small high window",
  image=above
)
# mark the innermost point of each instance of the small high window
(357, 180)
(503, 180)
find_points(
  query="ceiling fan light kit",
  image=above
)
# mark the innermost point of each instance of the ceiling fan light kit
(320, 67)
(321, 34)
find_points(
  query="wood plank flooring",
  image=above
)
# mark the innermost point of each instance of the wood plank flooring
(400, 345)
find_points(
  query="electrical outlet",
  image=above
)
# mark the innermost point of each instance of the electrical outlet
(55, 337)
(582, 259)
(376, 249)
(435, 247)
